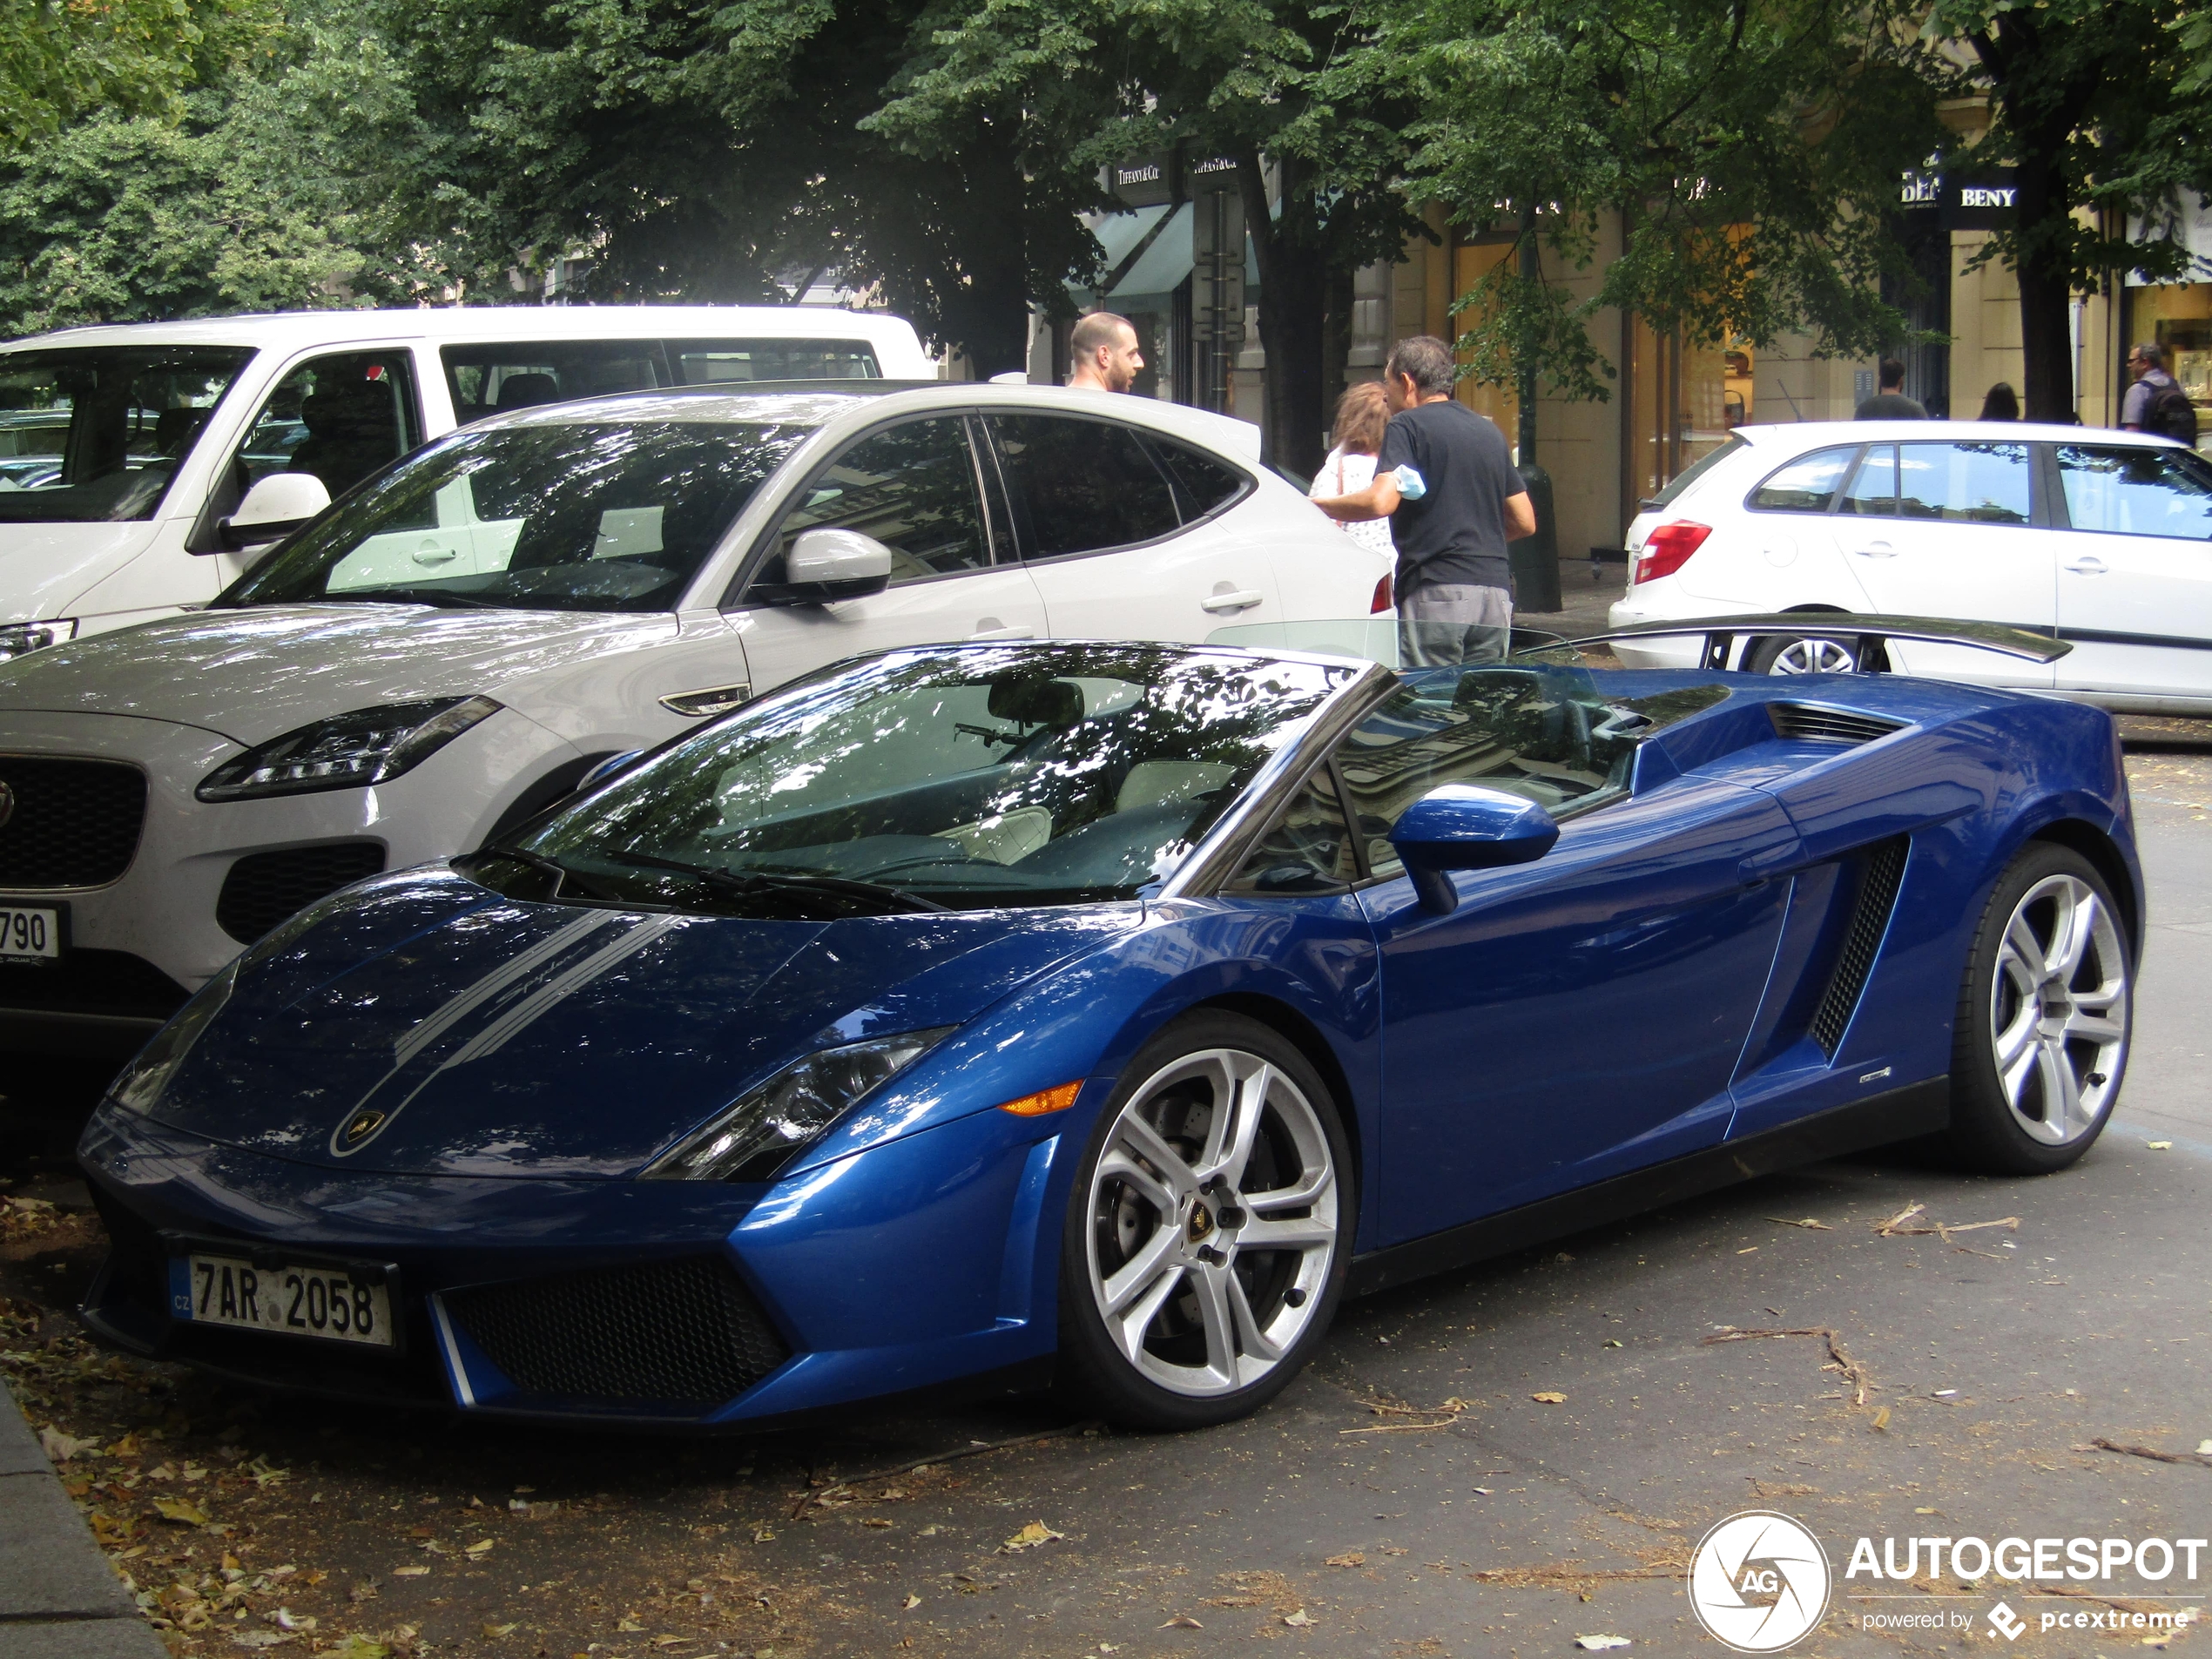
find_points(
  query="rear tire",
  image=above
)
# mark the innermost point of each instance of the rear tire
(2045, 1014)
(1209, 1232)
(1789, 654)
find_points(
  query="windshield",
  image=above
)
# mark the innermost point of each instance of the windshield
(961, 778)
(569, 516)
(97, 433)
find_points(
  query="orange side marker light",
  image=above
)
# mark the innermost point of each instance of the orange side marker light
(1044, 1100)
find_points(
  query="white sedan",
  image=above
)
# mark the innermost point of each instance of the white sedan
(464, 637)
(2101, 538)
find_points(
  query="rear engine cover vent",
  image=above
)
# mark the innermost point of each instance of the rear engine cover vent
(1806, 724)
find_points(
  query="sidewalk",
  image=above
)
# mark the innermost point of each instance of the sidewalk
(59, 1599)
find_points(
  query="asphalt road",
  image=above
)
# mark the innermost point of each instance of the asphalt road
(1411, 1495)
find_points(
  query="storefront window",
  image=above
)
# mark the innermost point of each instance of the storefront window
(1470, 264)
(2178, 317)
(1684, 401)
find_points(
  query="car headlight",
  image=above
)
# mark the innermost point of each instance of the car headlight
(347, 751)
(144, 1079)
(765, 1129)
(20, 639)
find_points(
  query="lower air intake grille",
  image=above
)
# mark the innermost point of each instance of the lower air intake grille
(682, 1332)
(68, 823)
(1879, 875)
(263, 888)
(1804, 722)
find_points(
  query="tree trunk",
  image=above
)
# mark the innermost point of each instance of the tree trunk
(1293, 313)
(987, 315)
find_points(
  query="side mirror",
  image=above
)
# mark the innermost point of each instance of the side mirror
(827, 564)
(279, 505)
(1462, 826)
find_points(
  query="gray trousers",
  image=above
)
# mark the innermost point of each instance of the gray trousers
(1442, 623)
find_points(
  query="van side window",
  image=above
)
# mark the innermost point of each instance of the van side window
(492, 378)
(717, 363)
(339, 417)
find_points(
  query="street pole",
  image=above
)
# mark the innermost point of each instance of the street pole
(1534, 559)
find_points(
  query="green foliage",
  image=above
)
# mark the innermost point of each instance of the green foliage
(60, 61)
(1750, 149)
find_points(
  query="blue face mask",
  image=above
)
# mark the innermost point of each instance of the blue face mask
(1411, 485)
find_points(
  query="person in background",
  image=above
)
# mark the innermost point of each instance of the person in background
(1362, 413)
(2000, 404)
(2155, 403)
(1444, 479)
(1106, 358)
(1890, 403)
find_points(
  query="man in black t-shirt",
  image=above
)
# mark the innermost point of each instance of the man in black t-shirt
(1445, 481)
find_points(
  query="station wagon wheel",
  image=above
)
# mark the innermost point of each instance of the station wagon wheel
(1783, 655)
(2043, 1017)
(1210, 1228)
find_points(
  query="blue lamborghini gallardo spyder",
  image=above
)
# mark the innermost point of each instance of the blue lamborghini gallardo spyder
(988, 1014)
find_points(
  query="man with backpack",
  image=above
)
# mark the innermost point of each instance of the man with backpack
(2155, 403)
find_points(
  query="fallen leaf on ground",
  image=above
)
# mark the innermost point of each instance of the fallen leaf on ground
(874, 1521)
(1031, 1536)
(1350, 1558)
(911, 1603)
(357, 1646)
(61, 1448)
(1182, 1621)
(410, 1572)
(1599, 1644)
(1882, 1417)
(628, 1624)
(1300, 1620)
(1814, 1223)
(2160, 1146)
(127, 1447)
(1549, 1398)
(496, 1631)
(2204, 1449)
(183, 1511)
(260, 1638)
(480, 1549)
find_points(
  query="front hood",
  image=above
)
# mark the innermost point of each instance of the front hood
(498, 1037)
(254, 673)
(44, 567)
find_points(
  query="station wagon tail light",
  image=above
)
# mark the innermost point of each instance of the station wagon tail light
(1667, 549)
(1044, 1102)
(1382, 598)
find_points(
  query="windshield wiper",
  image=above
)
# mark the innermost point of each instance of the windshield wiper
(562, 874)
(438, 596)
(756, 881)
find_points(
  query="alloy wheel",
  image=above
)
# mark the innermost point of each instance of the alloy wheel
(1813, 656)
(1212, 1217)
(2059, 1010)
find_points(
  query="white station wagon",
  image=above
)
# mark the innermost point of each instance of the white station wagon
(2101, 538)
(127, 454)
(456, 644)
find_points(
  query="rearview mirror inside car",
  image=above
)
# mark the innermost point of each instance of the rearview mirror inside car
(1464, 826)
(274, 508)
(826, 564)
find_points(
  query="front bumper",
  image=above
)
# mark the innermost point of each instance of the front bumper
(919, 1262)
(203, 873)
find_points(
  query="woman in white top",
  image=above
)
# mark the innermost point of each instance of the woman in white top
(1362, 413)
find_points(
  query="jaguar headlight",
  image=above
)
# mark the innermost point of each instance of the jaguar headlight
(21, 638)
(347, 751)
(146, 1076)
(755, 1139)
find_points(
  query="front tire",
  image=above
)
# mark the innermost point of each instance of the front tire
(2045, 1014)
(1209, 1232)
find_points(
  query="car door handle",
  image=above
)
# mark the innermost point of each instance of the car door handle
(433, 554)
(2087, 565)
(1876, 550)
(1237, 601)
(990, 628)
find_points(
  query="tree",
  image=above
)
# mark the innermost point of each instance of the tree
(1750, 149)
(1099, 80)
(60, 62)
(2097, 110)
(282, 181)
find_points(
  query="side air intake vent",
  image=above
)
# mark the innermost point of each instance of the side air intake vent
(1879, 876)
(1806, 724)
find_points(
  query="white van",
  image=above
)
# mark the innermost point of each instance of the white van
(127, 453)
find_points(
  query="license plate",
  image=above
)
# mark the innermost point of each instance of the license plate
(30, 936)
(332, 1303)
